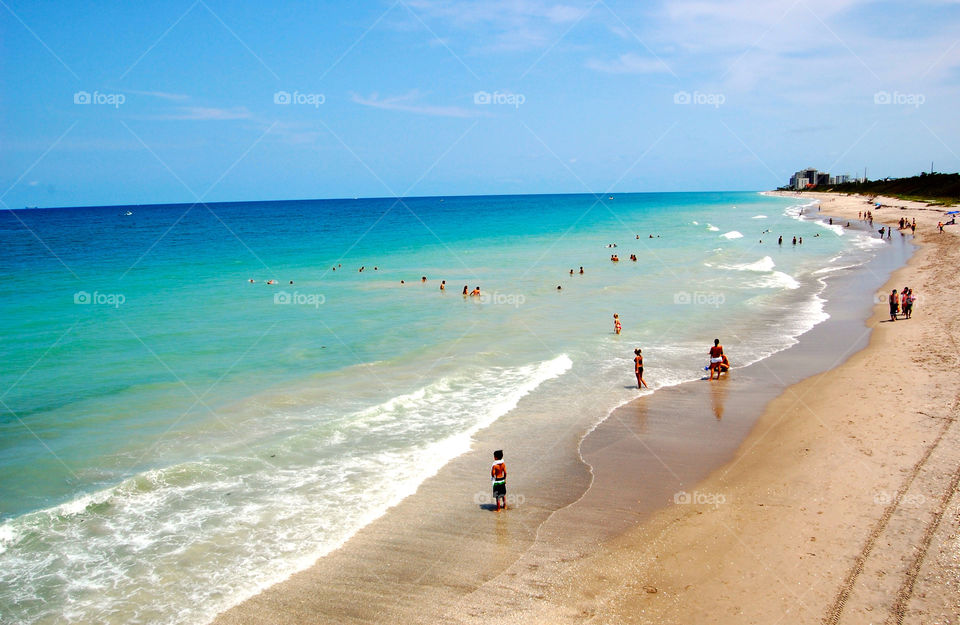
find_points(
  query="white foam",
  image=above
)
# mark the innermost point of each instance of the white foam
(764, 264)
(733, 234)
(712, 228)
(209, 534)
(759, 217)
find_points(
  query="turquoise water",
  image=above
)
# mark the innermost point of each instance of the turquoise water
(165, 421)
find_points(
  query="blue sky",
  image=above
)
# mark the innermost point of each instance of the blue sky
(126, 103)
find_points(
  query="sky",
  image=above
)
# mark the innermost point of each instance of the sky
(206, 100)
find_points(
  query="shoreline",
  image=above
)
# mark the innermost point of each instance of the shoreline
(841, 505)
(362, 591)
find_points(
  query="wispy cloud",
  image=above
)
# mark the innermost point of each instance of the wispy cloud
(629, 64)
(177, 97)
(407, 104)
(205, 113)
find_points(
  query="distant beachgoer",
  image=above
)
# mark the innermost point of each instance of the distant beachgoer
(475, 292)
(882, 230)
(291, 282)
(361, 268)
(571, 272)
(375, 267)
(638, 236)
(903, 301)
(559, 288)
(859, 215)
(716, 358)
(894, 305)
(581, 270)
(616, 323)
(794, 240)
(831, 221)
(889, 232)
(402, 282)
(908, 305)
(780, 240)
(333, 268)
(801, 240)
(443, 285)
(251, 280)
(638, 368)
(498, 477)
(650, 237)
(940, 226)
(464, 289)
(271, 281)
(423, 279)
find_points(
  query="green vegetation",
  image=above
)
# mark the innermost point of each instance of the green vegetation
(931, 188)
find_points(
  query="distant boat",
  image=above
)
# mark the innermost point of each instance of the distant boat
(610, 198)
(128, 213)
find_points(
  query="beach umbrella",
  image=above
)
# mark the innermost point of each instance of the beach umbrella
(952, 212)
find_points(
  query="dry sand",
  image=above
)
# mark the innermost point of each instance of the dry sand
(839, 507)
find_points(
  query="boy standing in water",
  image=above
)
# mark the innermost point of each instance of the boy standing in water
(498, 476)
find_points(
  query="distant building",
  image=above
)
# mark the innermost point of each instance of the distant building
(810, 177)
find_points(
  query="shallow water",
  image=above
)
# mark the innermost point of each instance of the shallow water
(166, 422)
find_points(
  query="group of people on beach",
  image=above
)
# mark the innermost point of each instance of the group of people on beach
(901, 304)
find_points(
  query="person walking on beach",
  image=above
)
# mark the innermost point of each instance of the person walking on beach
(716, 358)
(894, 305)
(498, 477)
(616, 323)
(638, 368)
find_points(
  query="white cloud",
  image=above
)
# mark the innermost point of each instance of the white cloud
(629, 63)
(407, 104)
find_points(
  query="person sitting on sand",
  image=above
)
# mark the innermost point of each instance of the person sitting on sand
(716, 358)
(638, 368)
(894, 305)
(498, 477)
(616, 323)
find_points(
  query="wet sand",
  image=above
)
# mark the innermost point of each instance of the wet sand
(611, 537)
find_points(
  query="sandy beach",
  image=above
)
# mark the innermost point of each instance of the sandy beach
(838, 505)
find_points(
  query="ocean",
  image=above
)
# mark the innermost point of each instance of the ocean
(176, 433)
